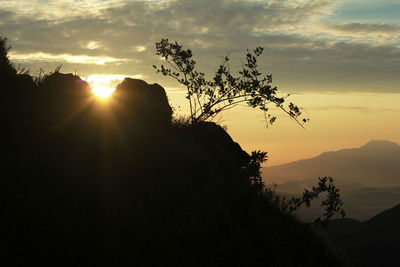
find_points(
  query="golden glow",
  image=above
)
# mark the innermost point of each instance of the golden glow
(103, 85)
(102, 91)
(337, 121)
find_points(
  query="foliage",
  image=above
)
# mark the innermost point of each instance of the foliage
(4, 48)
(39, 79)
(9, 69)
(21, 70)
(326, 189)
(208, 98)
(254, 167)
(5, 65)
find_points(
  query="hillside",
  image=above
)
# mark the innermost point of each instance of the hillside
(375, 242)
(376, 164)
(119, 182)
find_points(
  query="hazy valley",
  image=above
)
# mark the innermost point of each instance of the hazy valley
(368, 178)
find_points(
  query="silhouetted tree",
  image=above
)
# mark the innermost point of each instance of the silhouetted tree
(5, 66)
(208, 98)
(4, 48)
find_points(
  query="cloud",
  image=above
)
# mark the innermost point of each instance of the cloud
(68, 58)
(373, 33)
(364, 28)
(58, 9)
(302, 51)
(93, 45)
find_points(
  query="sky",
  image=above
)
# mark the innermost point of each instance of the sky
(340, 59)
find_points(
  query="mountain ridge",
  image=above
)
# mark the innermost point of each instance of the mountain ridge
(366, 145)
(376, 164)
(370, 243)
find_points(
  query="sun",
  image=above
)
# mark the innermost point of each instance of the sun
(102, 91)
(103, 85)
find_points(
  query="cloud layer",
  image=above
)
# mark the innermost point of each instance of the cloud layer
(303, 48)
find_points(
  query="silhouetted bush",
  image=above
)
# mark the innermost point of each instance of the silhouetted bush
(5, 65)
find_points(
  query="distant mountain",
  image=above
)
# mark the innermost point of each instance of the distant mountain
(376, 164)
(375, 242)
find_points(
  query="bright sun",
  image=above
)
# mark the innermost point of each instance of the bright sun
(103, 85)
(102, 91)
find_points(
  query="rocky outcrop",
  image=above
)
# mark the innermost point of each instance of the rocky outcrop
(213, 139)
(144, 104)
(65, 87)
(60, 102)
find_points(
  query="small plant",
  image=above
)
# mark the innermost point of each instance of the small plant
(21, 70)
(39, 79)
(208, 98)
(331, 203)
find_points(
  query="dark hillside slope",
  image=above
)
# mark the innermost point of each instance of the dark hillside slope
(116, 183)
(375, 242)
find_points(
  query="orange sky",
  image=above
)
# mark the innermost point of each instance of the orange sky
(336, 121)
(334, 124)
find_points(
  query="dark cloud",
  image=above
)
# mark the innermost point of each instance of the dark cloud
(373, 28)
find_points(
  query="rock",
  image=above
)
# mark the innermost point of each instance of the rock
(61, 99)
(146, 105)
(216, 141)
(66, 85)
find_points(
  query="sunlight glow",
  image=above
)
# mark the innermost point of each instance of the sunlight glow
(103, 85)
(102, 91)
